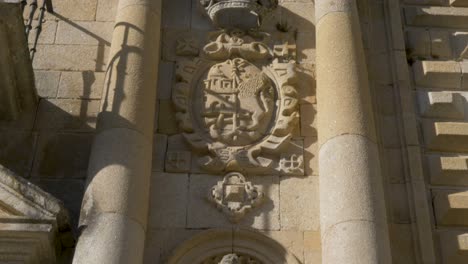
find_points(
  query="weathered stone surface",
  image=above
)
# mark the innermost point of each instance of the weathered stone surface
(168, 200)
(399, 207)
(48, 32)
(84, 33)
(176, 14)
(106, 10)
(299, 199)
(418, 42)
(312, 247)
(161, 243)
(62, 155)
(202, 214)
(165, 80)
(75, 9)
(293, 241)
(72, 58)
(308, 120)
(47, 83)
(440, 74)
(67, 114)
(446, 170)
(451, 207)
(440, 44)
(83, 85)
(402, 244)
(159, 152)
(17, 151)
(298, 16)
(167, 123)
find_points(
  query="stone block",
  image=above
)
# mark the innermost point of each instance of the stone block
(434, 16)
(83, 85)
(400, 211)
(461, 3)
(161, 243)
(47, 36)
(70, 58)
(167, 123)
(17, 151)
(67, 114)
(305, 43)
(464, 67)
(460, 47)
(168, 200)
(446, 136)
(299, 199)
(451, 207)
(47, 83)
(379, 71)
(439, 74)
(165, 80)
(454, 246)
(402, 243)
(106, 10)
(392, 165)
(308, 120)
(292, 241)
(440, 44)
(312, 247)
(306, 85)
(171, 36)
(446, 170)
(203, 214)
(176, 14)
(84, 33)
(75, 10)
(159, 152)
(441, 105)
(390, 134)
(200, 21)
(385, 98)
(298, 16)
(62, 155)
(311, 156)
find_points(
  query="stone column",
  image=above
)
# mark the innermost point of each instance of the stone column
(115, 206)
(352, 208)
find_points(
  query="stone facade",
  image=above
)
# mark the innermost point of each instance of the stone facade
(229, 131)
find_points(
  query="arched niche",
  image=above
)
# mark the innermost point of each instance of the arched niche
(209, 246)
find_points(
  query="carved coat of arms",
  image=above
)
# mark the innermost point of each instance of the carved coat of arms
(237, 105)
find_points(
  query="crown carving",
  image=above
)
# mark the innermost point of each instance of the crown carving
(242, 14)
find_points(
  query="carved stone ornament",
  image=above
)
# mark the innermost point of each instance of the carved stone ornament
(244, 14)
(236, 105)
(235, 197)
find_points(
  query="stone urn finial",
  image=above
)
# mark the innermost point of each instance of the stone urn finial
(242, 14)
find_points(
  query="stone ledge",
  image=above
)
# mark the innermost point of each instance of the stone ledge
(451, 207)
(450, 17)
(448, 170)
(446, 136)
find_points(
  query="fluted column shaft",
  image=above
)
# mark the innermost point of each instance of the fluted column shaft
(115, 206)
(352, 209)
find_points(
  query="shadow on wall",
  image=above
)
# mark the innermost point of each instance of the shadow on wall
(50, 143)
